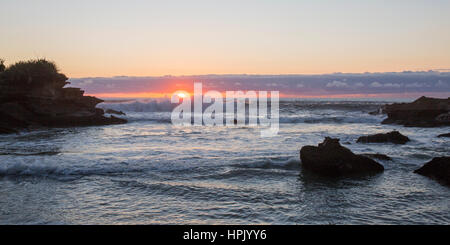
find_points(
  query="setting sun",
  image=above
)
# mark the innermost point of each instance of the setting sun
(182, 94)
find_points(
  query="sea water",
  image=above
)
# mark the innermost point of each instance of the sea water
(151, 172)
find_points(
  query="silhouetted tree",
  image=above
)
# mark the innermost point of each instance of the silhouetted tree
(2, 65)
(33, 73)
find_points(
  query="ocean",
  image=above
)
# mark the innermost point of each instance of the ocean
(149, 171)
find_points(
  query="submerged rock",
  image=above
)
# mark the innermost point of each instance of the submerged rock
(391, 137)
(32, 95)
(424, 112)
(378, 156)
(444, 135)
(438, 168)
(329, 158)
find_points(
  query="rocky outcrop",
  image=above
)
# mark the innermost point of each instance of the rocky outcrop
(424, 112)
(32, 95)
(391, 137)
(329, 158)
(444, 135)
(438, 168)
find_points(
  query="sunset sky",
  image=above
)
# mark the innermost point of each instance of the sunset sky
(147, 38)
(155, 38)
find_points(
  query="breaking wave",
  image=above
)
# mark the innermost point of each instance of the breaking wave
(164, 105)
(140, 106)
(40, 169)
(286, 163)
(164, 118)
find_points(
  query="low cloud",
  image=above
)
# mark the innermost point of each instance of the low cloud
(336, 84)
(441, 84)
(376, 85)
(385, 85)
(415, 85)
(392, 85)
(339, 83)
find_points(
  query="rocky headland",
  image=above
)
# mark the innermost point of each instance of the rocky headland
(33, 95)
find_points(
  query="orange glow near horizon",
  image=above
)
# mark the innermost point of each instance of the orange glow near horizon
(142, 95)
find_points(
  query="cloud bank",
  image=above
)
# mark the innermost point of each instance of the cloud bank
(337, 84)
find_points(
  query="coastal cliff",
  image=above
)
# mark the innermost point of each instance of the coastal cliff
(32, 95)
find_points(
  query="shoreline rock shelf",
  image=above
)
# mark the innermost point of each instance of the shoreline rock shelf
(329, 158)
(32, 95)
(423, 112)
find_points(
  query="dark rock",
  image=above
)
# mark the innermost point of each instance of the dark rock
(32, 95)
(329, 158)
(444, 135)
(7, 130)
(438, 168)
(378, 156)
(392, 137)
(111, 111)
(424, 112)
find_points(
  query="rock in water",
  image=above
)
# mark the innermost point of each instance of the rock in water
(438, 168)
(32, 95)
(424, 112)
(391, 137)
(444, 135)
(329, 158)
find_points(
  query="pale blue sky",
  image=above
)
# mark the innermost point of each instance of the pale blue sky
(106, 38)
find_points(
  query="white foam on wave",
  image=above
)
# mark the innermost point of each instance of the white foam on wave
(159, 111)
(331, 119)
(273, 163)
(140, 106)
(165, 118)
(39, 168)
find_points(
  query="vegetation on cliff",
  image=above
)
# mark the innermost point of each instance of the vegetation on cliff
(32, 94)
